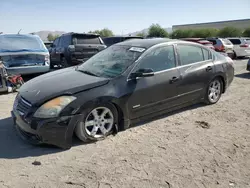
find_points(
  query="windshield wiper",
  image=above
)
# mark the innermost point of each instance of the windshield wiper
(87, 72)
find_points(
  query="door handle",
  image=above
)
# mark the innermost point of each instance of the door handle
(209, 68)
(174, 79)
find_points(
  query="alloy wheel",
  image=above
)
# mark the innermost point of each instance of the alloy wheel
(214, 91)
(99, 122)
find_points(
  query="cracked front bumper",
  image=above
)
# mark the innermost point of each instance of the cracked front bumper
(55, 131)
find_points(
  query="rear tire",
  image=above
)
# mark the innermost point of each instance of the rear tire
(234, 56)
(97, 122)
(214, 91)
(64, 62)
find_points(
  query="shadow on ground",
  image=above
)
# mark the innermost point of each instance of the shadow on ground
(165, 114)
(245, 75)
(13, 147)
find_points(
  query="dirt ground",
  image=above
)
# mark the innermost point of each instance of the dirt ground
(201, 146)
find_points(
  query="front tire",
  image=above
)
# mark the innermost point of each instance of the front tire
(97, 122)
(214, 91)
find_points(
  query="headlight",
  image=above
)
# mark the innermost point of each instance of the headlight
(53, 107)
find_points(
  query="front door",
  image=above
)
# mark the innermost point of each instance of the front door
(151, 94)
(196, 71)
(53, 51)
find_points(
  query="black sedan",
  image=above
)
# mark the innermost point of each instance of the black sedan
(125, 83)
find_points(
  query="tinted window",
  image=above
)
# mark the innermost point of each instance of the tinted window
(206, 54)
(56, 42)
(159, 59)
(213, 41)
(61, 41)
(85, 39)
(235, 41)
(189, 54)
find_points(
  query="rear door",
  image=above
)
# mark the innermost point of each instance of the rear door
(228, 45)
(87, 45)
(158, 92)
(196, 70)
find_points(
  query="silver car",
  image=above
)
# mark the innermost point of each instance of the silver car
(24, 54)
(241, 46)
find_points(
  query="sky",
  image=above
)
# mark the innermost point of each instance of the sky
(121, 17)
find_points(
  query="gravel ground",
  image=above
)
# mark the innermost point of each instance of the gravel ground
(201, 146)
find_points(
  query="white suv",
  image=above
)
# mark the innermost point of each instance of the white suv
(241, 46)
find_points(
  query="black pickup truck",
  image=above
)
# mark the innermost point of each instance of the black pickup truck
(74, 48)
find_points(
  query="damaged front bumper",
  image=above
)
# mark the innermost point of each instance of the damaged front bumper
(56, 131)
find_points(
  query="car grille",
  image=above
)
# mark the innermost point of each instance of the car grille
(22, 106)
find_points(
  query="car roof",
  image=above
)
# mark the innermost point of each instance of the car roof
(123, 37)
(146, 43)
(86, 34)
(26, 35)
(194, 39)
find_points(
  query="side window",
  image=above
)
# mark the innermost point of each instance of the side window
(162, 58)
(206, 54)
(189, 54)
(235, 41)
(213, 41)
(55, 43)
(61, 42)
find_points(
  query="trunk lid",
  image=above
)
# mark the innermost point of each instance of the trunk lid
(87, 45)
(23, 60)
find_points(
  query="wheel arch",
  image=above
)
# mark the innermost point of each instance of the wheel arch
(223, 79)
(120, 108)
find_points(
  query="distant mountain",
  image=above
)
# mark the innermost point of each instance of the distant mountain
(169, 30)
(43, 34)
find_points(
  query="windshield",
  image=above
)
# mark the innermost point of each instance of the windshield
(19, 43)
(111, 62)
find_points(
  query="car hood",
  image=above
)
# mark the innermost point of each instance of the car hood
(65, 81)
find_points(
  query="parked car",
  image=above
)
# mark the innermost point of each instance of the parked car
(122, 84)
(116, 39)
(75, 48)
(241, 47)
(222, 45)
(24, 54)
(200, 41)
(48, 44)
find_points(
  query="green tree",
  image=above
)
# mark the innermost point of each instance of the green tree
(246, 32)
(194, 33)
(104, 32)
(204, 33)
(230, 32)
(141, 34)
(155, 30)
(186, 33)
(52, 37)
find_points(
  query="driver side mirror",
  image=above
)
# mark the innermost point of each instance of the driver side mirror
(142, 73)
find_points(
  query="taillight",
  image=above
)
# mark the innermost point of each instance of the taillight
(222, 48)
(47, 59)
(244, 45)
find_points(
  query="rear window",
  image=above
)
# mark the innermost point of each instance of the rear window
(226, 42)
(235, 41)
(18, 43)
(213, 41)
(85, 39)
